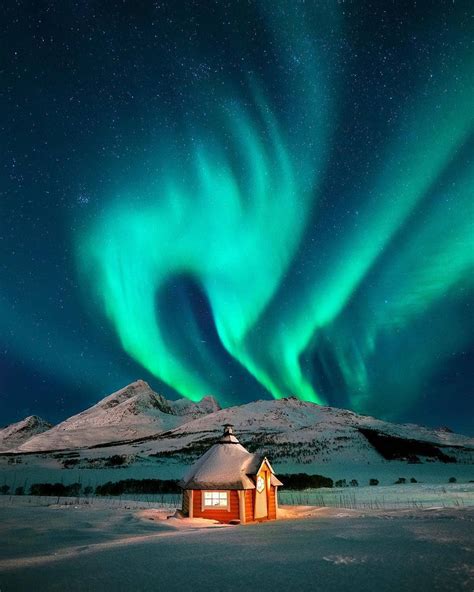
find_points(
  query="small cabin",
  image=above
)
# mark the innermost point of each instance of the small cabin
(229, 484)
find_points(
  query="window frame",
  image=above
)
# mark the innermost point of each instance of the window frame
(207, 508)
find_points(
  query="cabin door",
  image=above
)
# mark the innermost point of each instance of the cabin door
(261, 503)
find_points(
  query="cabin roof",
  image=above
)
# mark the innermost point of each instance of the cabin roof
(226, 465)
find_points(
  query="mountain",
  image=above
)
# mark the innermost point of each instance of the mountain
(147, 436)
(290, 431)
(17, 433)
(188, 408)
(134, 411)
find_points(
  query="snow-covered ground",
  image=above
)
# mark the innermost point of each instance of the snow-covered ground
(390, 497)
(36, 468)
(393, 497)
(128, 547)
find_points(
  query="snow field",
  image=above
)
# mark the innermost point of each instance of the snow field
(60, 547)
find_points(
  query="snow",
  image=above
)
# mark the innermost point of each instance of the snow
(132, 412)
(223, 466)
(17, 433)
(186, 407)
(178, 521)
(296, 436)
(95, 548)
(44, 468)
(136, 411)
(295, 417)
(393, 497)
(415, 536)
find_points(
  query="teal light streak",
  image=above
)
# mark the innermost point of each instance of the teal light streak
(414, 162)
(210, 234)
(234, 219)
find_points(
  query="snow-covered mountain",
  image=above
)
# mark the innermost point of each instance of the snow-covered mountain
(17, 433)
(148, 436)
(292, 420)
(292, 432)
(134, 411)
(189, 409)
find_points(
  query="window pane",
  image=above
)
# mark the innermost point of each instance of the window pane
(215, 499)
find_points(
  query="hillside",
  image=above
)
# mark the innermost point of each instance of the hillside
(17, 433)
(135, 433)
(290, 431)
(134, 411)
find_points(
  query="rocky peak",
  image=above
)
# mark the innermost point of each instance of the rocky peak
(16, 433)
(206, 405)
(137, 388)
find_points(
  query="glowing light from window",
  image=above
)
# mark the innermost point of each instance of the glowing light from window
(215, 499)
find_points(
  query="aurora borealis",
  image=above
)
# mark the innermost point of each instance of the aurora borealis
(248, 200)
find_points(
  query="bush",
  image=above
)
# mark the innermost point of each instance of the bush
(373, 482)
(74, 489)
(20, 491)
(88, 490)
(341, 483)
(70, 462)
(116, 460)
(138, 486)
(55, 489)
(400, 481)
(354, 483)
(305, 481)
(413, 480)
(452, 480)
(4, 489)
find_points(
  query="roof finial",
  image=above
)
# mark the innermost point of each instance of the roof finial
(228, 436)
(228, 429)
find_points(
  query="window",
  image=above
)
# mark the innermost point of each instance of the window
(215, 499)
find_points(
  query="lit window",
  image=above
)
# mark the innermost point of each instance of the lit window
(215, 499)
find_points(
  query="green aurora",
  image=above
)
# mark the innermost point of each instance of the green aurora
(366, 309)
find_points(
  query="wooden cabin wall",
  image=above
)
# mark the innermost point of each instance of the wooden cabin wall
(220, 514)
(223, 515)
(249, 504)
(272, 503)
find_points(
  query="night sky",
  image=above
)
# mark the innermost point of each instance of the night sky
(245, 199)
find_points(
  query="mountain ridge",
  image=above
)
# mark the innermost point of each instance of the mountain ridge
(133, 411)
(136, 414)
(17, 433)
(142, 434)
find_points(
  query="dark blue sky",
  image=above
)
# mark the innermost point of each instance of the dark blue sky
(346, 277)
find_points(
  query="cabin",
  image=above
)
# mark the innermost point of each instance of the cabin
(230, 484)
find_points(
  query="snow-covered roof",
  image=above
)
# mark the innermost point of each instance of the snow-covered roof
(226, 465)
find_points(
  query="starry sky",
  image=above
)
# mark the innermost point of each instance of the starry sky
(249, 199)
